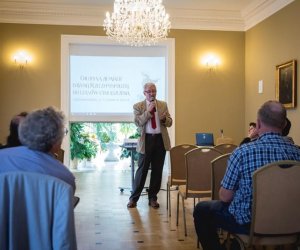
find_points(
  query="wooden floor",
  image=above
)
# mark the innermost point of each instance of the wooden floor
(104, 222)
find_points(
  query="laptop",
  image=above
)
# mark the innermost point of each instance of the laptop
(204, 139)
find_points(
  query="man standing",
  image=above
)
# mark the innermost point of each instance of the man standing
(152, 118)
(233, 211)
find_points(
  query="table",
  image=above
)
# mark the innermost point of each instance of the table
(132, 148)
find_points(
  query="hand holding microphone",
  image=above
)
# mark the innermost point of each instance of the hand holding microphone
(151, 107)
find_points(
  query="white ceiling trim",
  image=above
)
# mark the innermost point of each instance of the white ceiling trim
(258, 11)
(82, 15)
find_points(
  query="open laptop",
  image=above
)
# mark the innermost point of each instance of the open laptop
(204, 139)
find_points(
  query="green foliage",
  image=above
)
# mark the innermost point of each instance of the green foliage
(106, 132)
(82, 145)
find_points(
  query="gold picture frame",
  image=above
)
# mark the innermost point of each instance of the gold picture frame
(286, 81)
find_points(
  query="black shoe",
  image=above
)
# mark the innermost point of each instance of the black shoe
(234, 244)
(154, 204)
(131, 204)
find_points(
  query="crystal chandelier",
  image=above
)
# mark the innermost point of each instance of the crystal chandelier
(137, 22)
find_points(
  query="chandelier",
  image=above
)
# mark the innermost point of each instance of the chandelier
(137, 22)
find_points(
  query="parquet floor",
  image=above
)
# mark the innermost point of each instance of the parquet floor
(104, 222)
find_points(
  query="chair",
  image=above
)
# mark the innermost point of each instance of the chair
(36, 212)
(218, 169)
(198, 173)
(275, 207)
(178, 170)
(224, 139)
(226, 147)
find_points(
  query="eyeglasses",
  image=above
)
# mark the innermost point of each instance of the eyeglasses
(66, 131)
(150, 91)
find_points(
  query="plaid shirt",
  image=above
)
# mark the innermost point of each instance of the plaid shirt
(269, 147)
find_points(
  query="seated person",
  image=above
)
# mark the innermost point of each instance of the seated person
(286, 131)
(41, 132)
(13, 137)
(233, 211)
(252, 133)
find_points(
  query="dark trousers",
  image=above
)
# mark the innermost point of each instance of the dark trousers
(209, 216)
(155, 155)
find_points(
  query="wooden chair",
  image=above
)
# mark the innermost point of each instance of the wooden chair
(59, 155)
(218, 169)
(226, 147)
(224, 139)
(178, 169)
(275, 207)
(198, 173)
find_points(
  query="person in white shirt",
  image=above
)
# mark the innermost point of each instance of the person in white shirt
(152, 118)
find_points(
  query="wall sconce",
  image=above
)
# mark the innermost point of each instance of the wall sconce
(21, 58)
(211, 62)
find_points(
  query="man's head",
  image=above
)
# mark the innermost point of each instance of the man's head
(287, 127)
(150, 91)
(252, 131)
(42, 129)
(13, 138)
(271, 117)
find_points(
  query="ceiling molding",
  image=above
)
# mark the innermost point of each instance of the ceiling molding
(259, 10)
(83, 15)
(206, 20)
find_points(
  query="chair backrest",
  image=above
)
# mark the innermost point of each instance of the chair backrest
(276, 199)
(36, 212)
(178, 169)
(198, 164)
(226, 148)
(59, 155)
(218, 169)
(204, 139)
(224, 139)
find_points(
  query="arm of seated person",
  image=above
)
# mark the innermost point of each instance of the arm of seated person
(226, 195)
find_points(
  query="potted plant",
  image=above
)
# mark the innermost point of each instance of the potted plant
(107, 133)
(83, 145)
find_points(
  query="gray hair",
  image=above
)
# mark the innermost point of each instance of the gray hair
(273, 114)
(148, 84)
(42, 129)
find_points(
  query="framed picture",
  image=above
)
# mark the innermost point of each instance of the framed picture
(286, 83)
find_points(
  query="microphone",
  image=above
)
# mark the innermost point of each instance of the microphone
(152, 100)
(222, 134)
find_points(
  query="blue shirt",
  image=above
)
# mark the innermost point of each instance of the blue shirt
(268, 148)
(24, 159)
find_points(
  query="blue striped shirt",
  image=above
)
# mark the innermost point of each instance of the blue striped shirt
(269, 147)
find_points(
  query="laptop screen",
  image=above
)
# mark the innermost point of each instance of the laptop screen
(204, 139)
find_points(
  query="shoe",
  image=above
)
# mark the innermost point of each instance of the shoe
(131, 204)
(154, 204)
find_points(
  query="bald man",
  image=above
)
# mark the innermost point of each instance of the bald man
(233, 211)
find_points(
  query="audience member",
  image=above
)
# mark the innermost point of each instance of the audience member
(13, 137)
(286, 131)
(233, 211)
(41, 132)
(252, 134)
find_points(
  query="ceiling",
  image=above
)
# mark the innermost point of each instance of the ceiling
(229, 15)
